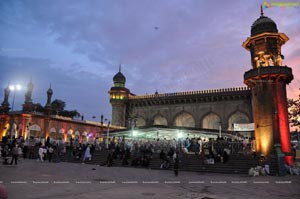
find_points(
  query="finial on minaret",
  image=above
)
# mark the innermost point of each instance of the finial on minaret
(261, 10)
(50, 85)
(120, 67)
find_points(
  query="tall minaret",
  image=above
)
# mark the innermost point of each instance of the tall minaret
(49, 96)
(118, 97)
(268, 79)
(4, 108)
(29, 92)
(28, 105)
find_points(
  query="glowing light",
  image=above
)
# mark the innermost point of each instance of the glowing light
(15, 87)
(18, 87)
(283, 122)
(134, 133)
(179, 135)
(12, 87)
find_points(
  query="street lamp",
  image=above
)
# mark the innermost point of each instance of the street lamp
(14, 88)
(107, 134)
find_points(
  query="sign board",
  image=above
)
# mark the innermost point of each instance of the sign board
(243, 127)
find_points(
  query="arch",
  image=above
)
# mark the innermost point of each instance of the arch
(61, 131)
(34, 130)
(211, 121)
(140, 122)
(90, 137)
(35, 127)
(77, 133)
(84, 137)
(6, 129)
(70, 134)
(237, 117)
(52, 133)
(184, 119)
(60, 135)
(160, 120)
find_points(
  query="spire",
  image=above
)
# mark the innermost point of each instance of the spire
(120, 67)
(50, 90)
(261, 10)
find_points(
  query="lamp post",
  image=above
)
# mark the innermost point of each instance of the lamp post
(14, 88)
(220, 130)
(107, 134)
(101, 124)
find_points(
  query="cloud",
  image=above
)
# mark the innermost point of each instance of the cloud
(79, 45)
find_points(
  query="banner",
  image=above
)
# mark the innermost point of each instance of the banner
(243, 127)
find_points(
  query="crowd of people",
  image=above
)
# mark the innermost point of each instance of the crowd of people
(132, 152)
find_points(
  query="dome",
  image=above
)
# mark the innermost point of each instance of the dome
(263, 24)
(119, 77)
(50, 91)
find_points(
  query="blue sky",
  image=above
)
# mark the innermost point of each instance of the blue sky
(77, 47)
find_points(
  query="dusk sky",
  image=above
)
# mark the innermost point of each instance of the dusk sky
(167, 45)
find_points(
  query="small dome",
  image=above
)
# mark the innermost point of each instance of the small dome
(50, 91)
(263, 24)
(119, 77)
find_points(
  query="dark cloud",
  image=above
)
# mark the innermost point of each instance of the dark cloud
(78, 45)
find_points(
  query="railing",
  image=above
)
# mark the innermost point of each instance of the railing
(270, 70)
(209, 91)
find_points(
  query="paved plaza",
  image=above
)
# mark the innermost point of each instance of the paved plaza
(35, 180)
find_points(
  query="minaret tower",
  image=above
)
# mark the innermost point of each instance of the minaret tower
(49, 96)
(268, 79)
(28, 105)
(118, 97)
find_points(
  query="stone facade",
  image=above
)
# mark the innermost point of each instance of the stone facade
(41, 125)
(201, 109)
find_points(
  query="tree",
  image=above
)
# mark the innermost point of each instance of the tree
(71, 114)
(294, 112)
(58, 105)
(39, 108)
(58, 108)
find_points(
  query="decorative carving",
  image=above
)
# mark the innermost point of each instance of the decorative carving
(262, 60)
(279, 60)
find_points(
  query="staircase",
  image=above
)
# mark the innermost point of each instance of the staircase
(237, 164)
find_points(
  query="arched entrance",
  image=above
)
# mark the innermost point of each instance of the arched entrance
(211, 121)
(34, 131)
(184, 119)
(160, 120)
(237, 117)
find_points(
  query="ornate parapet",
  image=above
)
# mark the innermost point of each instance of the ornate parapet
(282, 73)
(199, 96)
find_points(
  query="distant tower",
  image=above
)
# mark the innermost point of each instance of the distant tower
(268, 79)
(5, 104)
(49, 96)
(118, 97)
(28, 106)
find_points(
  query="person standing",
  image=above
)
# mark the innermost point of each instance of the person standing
(41, 153)
(87, 153)
(50, 153)
(176, 166)
(15, 154)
